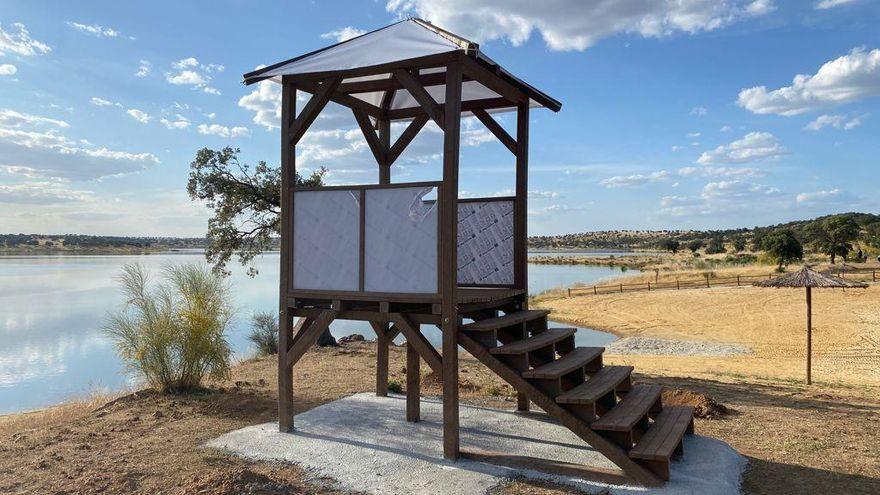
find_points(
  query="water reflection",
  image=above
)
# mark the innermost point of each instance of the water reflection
(52, 307)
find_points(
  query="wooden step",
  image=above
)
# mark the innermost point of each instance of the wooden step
(578, 358)
(599, 385)
(634, 407)
(663, 439)
(541, 340)
(507, 320)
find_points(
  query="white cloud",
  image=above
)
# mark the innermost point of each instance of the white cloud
(28, 149)
(21, 43)
(634, 180)
(817, 196)
(752, 147)
(144, 68)
(179, 122)
(830, 4)
(101, 102)
(41, 193)
(575, 24)
(139, 115)
(676, 147)
(10, 119)
(835, 121)
(343, 34)
(699, 111)
(729, 172)
(726, 196)
(265, 102)
(694, 134)
(223, 131)
(95, 30)
(8, 70)
(726, 128)
(848, 78)
(190, 72)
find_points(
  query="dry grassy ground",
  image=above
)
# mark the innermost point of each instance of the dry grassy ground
(798, 440)
(846, 328)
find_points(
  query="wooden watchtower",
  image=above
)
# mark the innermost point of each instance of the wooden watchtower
(402, 255)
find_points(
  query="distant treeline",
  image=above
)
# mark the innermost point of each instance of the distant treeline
(860, 230)
(95, 242)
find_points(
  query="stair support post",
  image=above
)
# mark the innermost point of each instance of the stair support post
(413, 384)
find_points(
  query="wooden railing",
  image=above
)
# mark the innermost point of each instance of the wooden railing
(864, 275)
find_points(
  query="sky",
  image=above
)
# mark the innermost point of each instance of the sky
(677, 114)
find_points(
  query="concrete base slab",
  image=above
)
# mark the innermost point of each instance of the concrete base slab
(364, 443)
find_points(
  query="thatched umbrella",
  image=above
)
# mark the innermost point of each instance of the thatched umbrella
(807, 277)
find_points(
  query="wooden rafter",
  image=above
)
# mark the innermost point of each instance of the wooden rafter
(391, 84)
(466, 106)
(379, 150)
(310, 112)
(417, 340)
(496, 129)
(343, 99)
(421, 95)
(492, 81)
(411, 131)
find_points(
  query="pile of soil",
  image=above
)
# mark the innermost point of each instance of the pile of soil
(705, 407)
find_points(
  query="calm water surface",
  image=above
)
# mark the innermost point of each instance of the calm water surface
(51, 308)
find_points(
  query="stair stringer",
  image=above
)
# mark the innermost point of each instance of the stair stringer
(614, 453)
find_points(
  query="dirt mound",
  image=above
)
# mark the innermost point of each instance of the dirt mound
(705, 407)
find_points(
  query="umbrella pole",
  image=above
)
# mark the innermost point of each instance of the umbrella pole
(809, 333)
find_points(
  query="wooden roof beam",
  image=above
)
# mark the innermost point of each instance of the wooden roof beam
(390, 83)
(376, 146)
(496, 129)
(493, 81)
(466, 106)
(418, 92)
(317, 103)
(411, 131)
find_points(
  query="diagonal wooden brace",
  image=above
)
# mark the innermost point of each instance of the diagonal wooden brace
(309, 335)
(417, 340)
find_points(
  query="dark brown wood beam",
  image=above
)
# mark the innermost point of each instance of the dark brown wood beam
(466, 106)
(310, 336)
(496, 129)
(391, 84)
(285, 317)
(410, 133)
(417, 341)
(448, 197)
(413, 384)
(317, 103)
(492, 81)
(379, 152)
(427, 102)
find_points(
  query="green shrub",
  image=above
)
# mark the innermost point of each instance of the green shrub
(394, 386)
(264, 332)
(172, 333)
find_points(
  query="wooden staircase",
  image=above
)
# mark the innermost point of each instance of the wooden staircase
(627, 423)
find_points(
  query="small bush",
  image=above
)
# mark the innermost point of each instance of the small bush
(394, 386)
(264, 332)
(173, 333)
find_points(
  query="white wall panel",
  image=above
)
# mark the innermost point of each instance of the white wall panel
(400, 241)
(326, 240)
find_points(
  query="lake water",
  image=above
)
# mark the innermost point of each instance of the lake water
(51, 309)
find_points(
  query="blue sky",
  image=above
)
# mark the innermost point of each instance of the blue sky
(676, 114)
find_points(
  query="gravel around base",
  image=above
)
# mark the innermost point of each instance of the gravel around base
(363, 443)
(665, 347)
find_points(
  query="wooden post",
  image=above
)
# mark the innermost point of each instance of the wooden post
(449, 259)
(569, 292)
(520, 219)
(595, 290)
(677, 284)
(707, 280)
(621, 288)
(413, 384)
(874, 275)
(809, 334)
(382, 341)
(737, 280)
(285, 320)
